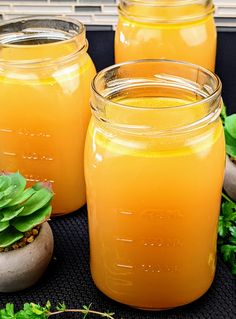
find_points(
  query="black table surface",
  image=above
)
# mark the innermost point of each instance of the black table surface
(68, 277)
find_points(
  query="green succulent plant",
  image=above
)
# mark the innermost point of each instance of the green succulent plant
(21, 208)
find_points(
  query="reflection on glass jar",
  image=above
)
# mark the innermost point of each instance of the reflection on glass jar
(181, 30)
(154, 166)
(45, 76)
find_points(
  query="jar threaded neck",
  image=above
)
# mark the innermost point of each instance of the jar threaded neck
(162, 11)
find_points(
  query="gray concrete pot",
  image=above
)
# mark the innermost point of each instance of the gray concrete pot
(21, 268)
(230, 179)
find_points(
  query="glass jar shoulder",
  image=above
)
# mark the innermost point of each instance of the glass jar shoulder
(131, 32)
(53, 73)
(111, 143)
(125, 21)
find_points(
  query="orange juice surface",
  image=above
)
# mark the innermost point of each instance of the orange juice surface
(192, 41)
(44, 117)
(153, 209)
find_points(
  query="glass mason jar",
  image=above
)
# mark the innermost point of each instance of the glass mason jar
(45, 75)
(154, 167)
(182, 30)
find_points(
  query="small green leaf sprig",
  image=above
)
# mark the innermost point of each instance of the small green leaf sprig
(227, 233)
(21, 209)
(35, 311)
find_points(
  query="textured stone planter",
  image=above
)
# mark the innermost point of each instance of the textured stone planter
(21, 268)
(230, 179)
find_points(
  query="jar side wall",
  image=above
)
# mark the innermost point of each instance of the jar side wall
(150, 213)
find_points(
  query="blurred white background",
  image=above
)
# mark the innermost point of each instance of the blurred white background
(97, 14)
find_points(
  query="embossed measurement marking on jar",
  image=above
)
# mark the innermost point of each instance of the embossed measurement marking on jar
(35, 156)
(6, 130)
(155, 214)
(8, 154)
(125, 240)
(33, 178)
(163, 214)
(159, 268)
(125, 266)
(161, 242)
(30, 156)
(126, 213)
(154, 242)
(25, 132)
(152, 268)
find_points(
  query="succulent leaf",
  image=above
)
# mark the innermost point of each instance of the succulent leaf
(23, 224)
(4, 225)
(5, 181)
(10, 185)
(229, 139)
(19, 182)
(4, 202)
(37, 201)
(9, 236)
(231, 151)
(230, 144)
(22, 197)
(230, 125)
(21, 209)
(3, 193)
(41, 185)
(10, 213)
(8, 191)
(2, 181)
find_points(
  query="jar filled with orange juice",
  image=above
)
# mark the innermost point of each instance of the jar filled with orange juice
(154, 167)
(181, 30)
(45, 75)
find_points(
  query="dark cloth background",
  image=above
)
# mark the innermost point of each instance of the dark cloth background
(68, 277)
(101, 44)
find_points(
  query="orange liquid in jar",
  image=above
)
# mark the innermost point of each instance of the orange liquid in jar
(153, 209)
(191, 41)
(44, 117)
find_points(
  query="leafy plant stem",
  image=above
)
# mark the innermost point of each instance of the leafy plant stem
(82, 311)
(227, 198)
(36, 311)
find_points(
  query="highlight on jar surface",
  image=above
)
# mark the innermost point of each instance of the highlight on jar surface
(154, 167)
(181, 30)
(45, 76)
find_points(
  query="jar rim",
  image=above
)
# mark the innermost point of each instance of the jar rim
(163, 3)
(117, 82)
(208, 99)
(78, 33)
(22, 20)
